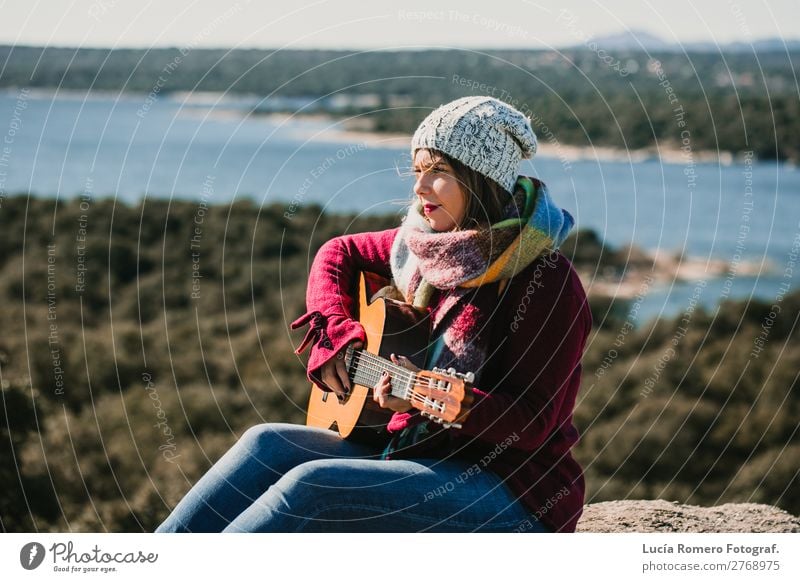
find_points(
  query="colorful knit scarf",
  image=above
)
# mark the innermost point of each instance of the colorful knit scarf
(459, 262)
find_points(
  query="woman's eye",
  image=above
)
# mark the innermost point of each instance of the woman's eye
(437, 170)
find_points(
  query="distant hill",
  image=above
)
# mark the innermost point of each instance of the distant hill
(636, 40)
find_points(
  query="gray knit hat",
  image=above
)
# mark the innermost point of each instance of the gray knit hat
(489, 136)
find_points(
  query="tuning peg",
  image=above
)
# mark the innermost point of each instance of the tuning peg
(469, 377)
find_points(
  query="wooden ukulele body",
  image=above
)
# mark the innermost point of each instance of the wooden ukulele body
(391, 327)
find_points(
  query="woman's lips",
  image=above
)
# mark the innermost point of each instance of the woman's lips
(428, 208)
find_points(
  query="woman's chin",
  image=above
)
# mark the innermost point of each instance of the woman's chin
(440, 224)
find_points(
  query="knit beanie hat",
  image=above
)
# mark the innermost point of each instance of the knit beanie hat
(489, 136)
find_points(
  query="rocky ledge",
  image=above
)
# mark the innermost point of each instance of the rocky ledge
(661, 516)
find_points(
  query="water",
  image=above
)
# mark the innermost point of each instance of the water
(205, 146)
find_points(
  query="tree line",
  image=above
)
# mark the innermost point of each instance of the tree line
(733, 102)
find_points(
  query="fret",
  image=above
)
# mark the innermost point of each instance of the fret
(365, 369)
(407, 390)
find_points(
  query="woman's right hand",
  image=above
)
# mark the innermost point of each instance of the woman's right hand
(334, 373)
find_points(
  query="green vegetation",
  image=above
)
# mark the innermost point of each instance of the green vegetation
(120, 388)
(734, 102)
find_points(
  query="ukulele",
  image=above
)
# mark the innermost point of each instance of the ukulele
(391, 327)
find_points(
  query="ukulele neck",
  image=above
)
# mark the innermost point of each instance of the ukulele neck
(366, 368)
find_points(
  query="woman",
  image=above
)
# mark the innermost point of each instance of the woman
(478, 250)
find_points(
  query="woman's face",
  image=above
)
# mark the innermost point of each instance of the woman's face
(444, 202)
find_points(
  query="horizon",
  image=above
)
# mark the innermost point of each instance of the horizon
(673, 47)
(346, 25)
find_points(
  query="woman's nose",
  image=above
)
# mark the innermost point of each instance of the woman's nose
(422, 185)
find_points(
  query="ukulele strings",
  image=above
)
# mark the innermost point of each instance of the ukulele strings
(371, 368)
(366, 361)
(375, 363)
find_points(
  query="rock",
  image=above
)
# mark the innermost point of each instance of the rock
(661, 516)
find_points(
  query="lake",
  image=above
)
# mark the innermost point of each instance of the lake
(188, 147)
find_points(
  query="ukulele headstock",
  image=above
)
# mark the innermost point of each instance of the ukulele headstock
(444, 396)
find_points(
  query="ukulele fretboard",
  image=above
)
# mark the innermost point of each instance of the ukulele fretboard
(365, 368)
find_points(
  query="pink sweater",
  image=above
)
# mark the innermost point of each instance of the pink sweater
(520, 425)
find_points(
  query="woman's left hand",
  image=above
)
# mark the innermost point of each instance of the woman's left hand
(382, 391)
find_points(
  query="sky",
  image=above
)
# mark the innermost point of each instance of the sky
(348, 24)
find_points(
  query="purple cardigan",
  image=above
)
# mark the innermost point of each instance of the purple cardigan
(520, 425)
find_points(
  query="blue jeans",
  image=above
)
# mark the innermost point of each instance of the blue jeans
(292, 478)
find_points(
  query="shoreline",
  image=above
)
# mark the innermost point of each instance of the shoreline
(651, 270)
(563, 152)
(342, 130)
